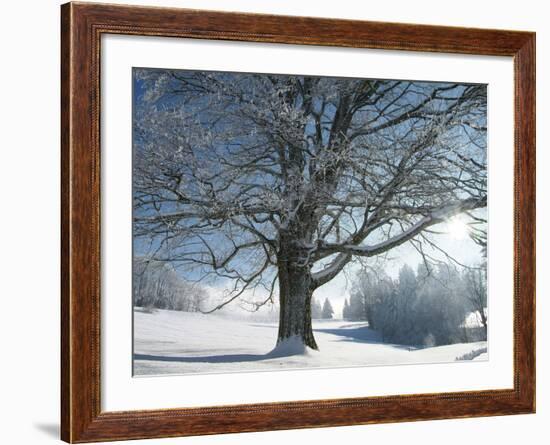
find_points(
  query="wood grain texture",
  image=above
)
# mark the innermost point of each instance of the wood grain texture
(81, 28)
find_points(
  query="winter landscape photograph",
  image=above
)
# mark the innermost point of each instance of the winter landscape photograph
(292, 221)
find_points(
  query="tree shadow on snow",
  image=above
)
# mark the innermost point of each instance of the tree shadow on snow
(229, 358)
(360, 334)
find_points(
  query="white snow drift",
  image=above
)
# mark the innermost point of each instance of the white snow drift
(172, 342)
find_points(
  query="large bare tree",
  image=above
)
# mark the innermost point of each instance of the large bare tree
(281, 181)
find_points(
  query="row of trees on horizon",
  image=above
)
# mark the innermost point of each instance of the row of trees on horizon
(158, 286)
(430, 307)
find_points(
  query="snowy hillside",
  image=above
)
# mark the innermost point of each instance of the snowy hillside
(172, 342)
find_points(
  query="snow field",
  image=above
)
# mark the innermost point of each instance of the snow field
(173, 342)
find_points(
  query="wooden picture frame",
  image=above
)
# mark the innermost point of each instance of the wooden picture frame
(82, 25)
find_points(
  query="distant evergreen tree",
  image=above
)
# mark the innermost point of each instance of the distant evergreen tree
(316, 310)
(328, 312)
(345, 311)
(357, 308)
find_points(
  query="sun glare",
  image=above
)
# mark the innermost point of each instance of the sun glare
(457, 228)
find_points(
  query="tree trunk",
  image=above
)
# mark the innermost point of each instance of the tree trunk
(295, 293)
(484, 321)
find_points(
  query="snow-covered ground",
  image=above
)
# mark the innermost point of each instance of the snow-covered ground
(170, 342)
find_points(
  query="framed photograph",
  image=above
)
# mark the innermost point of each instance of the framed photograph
(274, 222)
